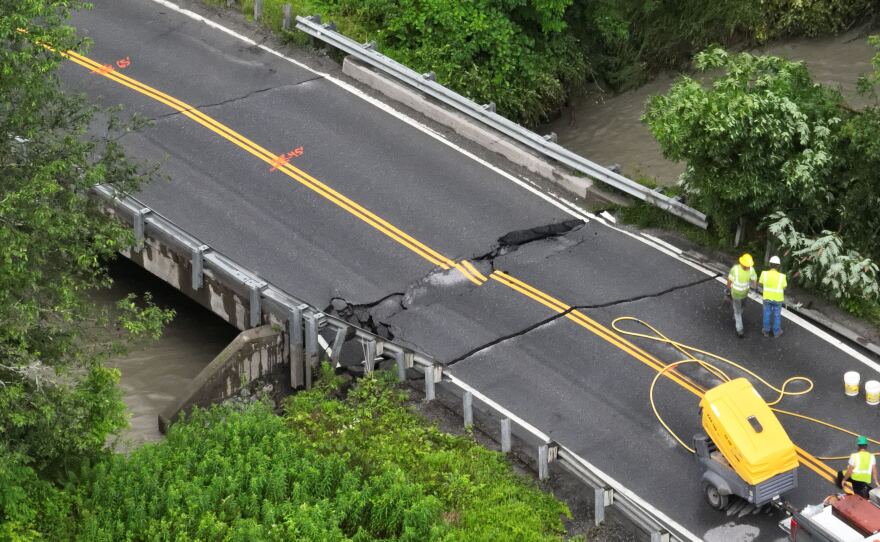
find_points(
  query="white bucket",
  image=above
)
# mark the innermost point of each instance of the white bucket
(851, 383)
(872, 392)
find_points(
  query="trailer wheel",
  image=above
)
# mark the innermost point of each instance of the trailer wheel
(714, 497)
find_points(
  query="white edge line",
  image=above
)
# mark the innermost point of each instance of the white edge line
(618, 487)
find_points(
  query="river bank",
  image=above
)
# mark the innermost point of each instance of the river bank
(607, 129)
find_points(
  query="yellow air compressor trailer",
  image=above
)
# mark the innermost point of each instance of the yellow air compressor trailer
(745, 450)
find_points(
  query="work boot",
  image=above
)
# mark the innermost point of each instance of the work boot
(765, 333)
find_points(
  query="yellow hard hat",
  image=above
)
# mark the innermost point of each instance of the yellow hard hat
(746, 260)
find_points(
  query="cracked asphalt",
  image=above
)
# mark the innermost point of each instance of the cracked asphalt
(583, 391)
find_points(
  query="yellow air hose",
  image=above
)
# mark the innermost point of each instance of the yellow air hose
(690, 351)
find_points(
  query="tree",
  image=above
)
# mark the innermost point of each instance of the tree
(763, 143)
(58, 402)
(757, 140)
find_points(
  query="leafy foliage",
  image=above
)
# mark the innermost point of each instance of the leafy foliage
(764, 144)
(511, 52)
(364, 468)
(58, 403)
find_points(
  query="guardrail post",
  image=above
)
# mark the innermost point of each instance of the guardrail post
(140, 225)
(598, 506)
(311, 347)
(198, 266)
(285, 23)
(338, 341)
(660, 536)
(602, 498)
(295, 345)
(429, 383)
(370, 353)
(543, 461)
(230, 3)
(255, 291)
(258, 10)
(505, 436)
(467, 405)
(400, 359)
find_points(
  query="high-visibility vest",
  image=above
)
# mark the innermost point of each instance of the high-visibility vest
(740, 280)
(774, 285)
(861, 462)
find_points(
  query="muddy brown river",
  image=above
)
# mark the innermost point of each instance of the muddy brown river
(607, 129)
(155, 373)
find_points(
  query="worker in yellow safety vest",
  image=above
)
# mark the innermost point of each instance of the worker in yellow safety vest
(740, 280)
(774, 284)
(861, 471)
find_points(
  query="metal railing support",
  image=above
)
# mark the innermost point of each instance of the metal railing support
(543, 462)
(197, 263)
(255, 294)
(370, 353)
(311, 361)
(467, 406)
(602, 498)
(429, 383)
(505, 436)
(285, 23)
(400, 361)
(338, 341)
(295, 346)
(140, 227)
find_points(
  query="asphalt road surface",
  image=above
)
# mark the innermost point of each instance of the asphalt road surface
(364, 207)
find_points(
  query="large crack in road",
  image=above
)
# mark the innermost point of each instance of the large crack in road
(442, 285)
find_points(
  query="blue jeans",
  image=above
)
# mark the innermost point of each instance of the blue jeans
(772, 309)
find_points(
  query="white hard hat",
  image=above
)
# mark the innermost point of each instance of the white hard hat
(775, 260)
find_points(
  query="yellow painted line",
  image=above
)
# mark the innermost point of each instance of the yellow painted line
(817, 466)
(291, 171)
(464, 271)
(474, 271)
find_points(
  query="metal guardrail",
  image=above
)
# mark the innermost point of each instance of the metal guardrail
(266, 298)
(485, 114)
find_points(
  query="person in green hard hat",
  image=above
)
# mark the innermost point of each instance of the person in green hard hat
(861, 471)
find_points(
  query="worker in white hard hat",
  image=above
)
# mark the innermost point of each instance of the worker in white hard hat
(740, 280)
(774, 284)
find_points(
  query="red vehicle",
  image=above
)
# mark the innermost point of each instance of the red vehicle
(849, 518)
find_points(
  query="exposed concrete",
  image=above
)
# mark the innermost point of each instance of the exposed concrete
(469, 129)
(255, 355)
(175, 268)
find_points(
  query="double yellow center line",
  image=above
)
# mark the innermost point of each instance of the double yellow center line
(465, 267)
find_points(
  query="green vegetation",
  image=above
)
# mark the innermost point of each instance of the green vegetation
(363, 468)
(529, 56)
(766, 146)
(58, 403)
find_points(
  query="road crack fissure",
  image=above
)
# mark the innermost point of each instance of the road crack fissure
(512, 241)
(364, 315)
(564, 313)
(228, 101)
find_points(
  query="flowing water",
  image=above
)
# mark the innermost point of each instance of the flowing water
(607, 130)
(155, 373)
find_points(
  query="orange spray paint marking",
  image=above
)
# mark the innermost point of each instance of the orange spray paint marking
(283, 159)
(123, 63)
(104, 69)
